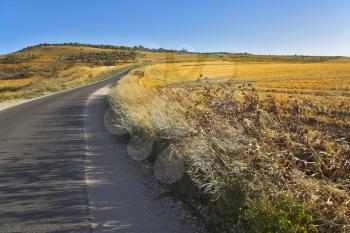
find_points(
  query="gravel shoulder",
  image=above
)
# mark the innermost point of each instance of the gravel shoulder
(124, 195)
(10, 103)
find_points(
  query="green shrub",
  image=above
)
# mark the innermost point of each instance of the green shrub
(103, 58)
(281, 214)
(225, 210)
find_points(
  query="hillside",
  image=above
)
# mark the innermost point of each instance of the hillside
(42, 69)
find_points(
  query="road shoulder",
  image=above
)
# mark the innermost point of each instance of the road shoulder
(123, 194)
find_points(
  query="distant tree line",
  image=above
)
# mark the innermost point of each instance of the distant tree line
(9, 73)
(15, 59)
(75, 44)
(103, 58)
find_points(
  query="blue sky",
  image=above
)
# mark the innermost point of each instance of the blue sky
(314, 27)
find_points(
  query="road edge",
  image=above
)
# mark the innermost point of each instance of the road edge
(71, 89)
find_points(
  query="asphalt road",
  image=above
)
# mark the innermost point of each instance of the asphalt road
(62, 171)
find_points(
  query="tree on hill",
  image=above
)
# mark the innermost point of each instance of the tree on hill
(103, 58)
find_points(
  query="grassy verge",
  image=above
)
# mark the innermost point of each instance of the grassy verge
(265, 145)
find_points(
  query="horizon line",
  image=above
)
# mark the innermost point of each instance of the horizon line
(168, 49)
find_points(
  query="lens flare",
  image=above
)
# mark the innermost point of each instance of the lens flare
(139, 148)
(168, 167)
(113, 123)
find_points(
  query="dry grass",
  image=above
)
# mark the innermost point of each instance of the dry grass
(16, 84)
(320, 85)
(277, 129)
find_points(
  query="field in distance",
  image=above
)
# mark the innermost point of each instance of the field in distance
(326, 85)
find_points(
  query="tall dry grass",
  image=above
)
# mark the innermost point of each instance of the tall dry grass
(267, 146)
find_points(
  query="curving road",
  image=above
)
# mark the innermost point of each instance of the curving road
(61, 171)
